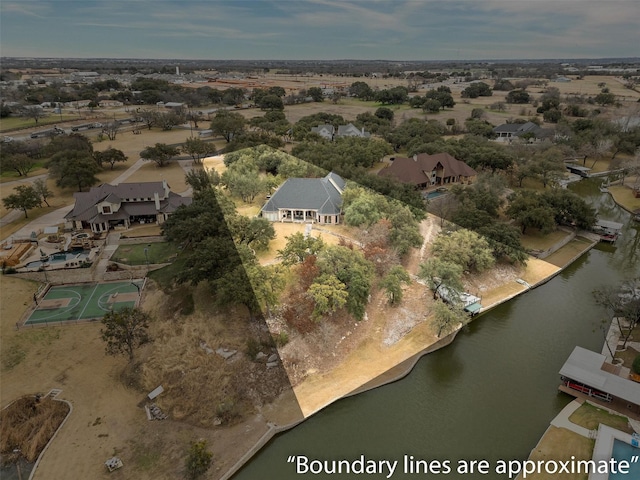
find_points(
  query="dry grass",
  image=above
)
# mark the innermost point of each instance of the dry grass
(565, 254)
(561, 444)
(143, 231)
(173, 173)
(176, 360)
(29, 423)
(589, 417)
(534, 240)
(624, 197)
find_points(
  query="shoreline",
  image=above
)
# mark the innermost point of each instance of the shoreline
(393, 374)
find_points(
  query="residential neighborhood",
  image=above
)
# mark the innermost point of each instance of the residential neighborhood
(307, 215)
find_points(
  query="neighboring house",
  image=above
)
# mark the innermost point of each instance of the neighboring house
(110, 103)
(171, 105)
(109, 206)
(325, 131)
(314, 200)
(351, 130)
(508, 131)
(424, 170)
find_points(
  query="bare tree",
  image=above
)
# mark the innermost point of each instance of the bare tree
(33, 111)
(111, 129)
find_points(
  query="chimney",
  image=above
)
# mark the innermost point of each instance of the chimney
(415, 157)
(157, 200)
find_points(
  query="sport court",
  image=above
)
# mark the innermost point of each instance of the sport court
(87, 301)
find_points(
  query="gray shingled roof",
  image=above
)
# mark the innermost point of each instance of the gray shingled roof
(585, 366)
(308, 194)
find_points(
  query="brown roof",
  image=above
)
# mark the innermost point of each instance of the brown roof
(412, 170)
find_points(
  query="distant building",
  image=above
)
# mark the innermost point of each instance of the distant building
(508, 131)
(325, 131)
(109, 206)
(424, 170)
(351, 130)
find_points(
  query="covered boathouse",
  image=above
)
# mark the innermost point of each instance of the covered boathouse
(587, 374)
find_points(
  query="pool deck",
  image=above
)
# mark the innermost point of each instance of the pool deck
(603, 448)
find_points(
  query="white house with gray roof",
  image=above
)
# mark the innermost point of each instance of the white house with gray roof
(351, 130)
(110, 206)
(326, 131)
(312, 200)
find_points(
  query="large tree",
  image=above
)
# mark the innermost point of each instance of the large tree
(111, 156)
(24, 199)
(42, 190)
(440, 273)
(125, 330)
(446, 316)
(21, 163)
(73, 169)
(392, 283)
(299, 247)
(466, 248)
(198, 149)
(329, 294)
(622, 303)
(228, 124)
(161, 153)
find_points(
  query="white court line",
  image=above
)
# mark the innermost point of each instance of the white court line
(87, 304)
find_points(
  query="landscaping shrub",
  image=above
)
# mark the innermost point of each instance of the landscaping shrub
(636, 365)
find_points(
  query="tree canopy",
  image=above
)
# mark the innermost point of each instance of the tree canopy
(125, 330)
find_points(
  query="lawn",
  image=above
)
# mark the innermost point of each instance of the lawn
(534, 240)
(164, 276)
(624, 197)
(561, 444)
(16, 123)
(564, 255)
(138, 254)
(589, 417)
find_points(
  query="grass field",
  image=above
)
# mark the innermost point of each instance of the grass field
(159, 252)
(624, 196)
(589, 417)
(535, 240)
(565, 254)
(9, 124)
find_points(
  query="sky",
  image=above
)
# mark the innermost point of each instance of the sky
(321, 29)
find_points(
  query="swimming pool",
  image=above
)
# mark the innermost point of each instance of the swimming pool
(432, 195)
(58, 258)
(624, 451)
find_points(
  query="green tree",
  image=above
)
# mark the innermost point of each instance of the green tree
(361, 90)
(73, 169)
(199, 460)
(446, 316)
(21, 163)
(124, 331)
(198, 149)
(161, 153)
(316, 94)
(477, 89)
(527, 209)
(384, 113)
(329, 294)
(518, 96)
(268, 283)
(271, 102)
(24, 199)
(200, 179)
(33, 111)
(111, 156)
(42, 190)
(254, 232)
(299, 247)
(440, 273)
(466, 248)
(392, 282)
(242, 179)
(228, 124)
(352, 269)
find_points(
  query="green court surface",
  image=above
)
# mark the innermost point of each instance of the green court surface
(87, 301)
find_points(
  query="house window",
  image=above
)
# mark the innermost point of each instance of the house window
(106, 209)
